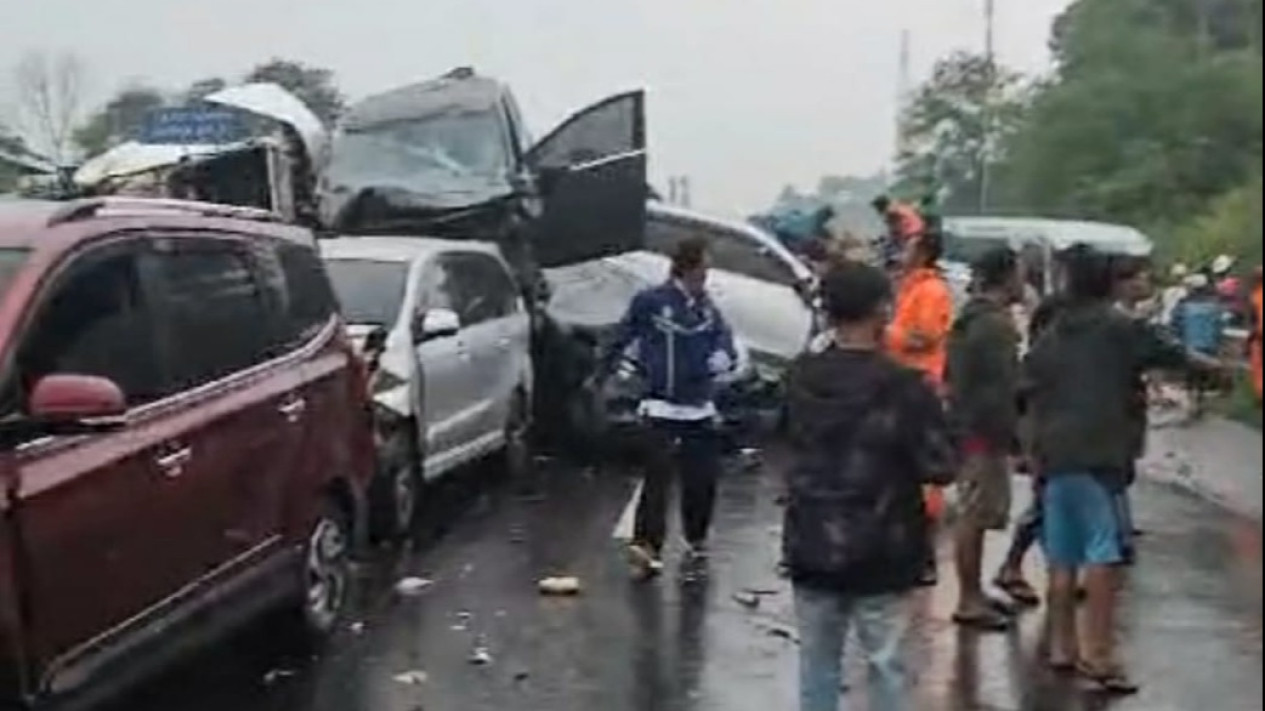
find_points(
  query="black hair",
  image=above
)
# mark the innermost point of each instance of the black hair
(930, 246)
(854, 291)
(995, 267)
(1090, 275)
(814, 250)
(690, 254)
(881, 203)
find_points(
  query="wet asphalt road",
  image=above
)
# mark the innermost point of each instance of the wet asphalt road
(1192, 621)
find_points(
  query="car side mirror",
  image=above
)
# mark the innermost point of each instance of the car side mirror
(64, 403)
(433, 324)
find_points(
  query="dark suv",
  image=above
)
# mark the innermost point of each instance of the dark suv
(183, 431)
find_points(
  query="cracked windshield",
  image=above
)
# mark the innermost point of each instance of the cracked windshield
(640, 355)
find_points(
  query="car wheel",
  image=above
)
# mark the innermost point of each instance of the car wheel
(518, 450)
(396, 488)
(327, 573)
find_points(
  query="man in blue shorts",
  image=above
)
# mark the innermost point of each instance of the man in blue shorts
(1081, 380)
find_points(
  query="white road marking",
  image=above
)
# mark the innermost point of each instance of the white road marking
(624, 529)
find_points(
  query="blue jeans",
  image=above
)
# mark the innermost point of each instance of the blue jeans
(824, 619)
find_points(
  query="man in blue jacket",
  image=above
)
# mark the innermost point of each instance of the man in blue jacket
(681, 343)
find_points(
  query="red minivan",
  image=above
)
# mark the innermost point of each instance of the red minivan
(184, 440)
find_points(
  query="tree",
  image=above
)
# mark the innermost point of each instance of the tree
(202, 88)
(1154, 113)
(119, 120)
(952, 127)
(10, 145)
(314, 86)
(49, 92)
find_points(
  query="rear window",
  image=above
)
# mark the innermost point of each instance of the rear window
(370, 291)
(11, 261)
(310, 300)
(968, 250)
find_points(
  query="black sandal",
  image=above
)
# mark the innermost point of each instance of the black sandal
(989, 620)
(1106, 681)
(1019, 590)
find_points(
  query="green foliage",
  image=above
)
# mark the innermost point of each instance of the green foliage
(118, 120)
(952, 126)
(1153, 119)
(314, 86)
(1232, 225)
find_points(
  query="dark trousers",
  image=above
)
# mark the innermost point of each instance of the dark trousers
(688, 451)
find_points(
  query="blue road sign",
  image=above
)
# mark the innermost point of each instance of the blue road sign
(192, 125)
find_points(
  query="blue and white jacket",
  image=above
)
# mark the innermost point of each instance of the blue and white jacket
(675, 337)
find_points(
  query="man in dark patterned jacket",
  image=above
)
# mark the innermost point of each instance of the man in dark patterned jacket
(867, 434)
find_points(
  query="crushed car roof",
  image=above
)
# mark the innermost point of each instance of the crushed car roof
(425, 98)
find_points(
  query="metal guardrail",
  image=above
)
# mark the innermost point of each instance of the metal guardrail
(87, 208)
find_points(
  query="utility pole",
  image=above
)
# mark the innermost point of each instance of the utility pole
(902, 97)
(990, 58)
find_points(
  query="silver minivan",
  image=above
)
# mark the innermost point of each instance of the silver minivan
(447, 336)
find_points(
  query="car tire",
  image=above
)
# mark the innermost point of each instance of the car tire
(517, 455)
(396, 489)
(327, 576)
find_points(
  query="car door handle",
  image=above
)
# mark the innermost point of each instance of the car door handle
(172, 463)
(292, 410)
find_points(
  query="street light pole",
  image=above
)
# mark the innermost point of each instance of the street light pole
(990, 14)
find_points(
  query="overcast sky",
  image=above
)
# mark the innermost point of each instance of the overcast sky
(744, 95)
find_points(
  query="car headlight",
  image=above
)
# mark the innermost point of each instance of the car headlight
(384, 380)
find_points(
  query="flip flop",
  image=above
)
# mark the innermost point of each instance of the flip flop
(984, 621)
(1002, 607)
(1106, 681)
(1019, 590)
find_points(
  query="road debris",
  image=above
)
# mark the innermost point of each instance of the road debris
(480, 656)
(276, 675)
(412, 586)
(559, 586)
(415, 677)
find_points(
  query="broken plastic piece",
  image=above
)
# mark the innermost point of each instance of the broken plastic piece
(560, 586)
(480, 656)
(415, 677)
(411, 586)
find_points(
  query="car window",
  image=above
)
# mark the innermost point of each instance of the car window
(663, 235)
(730, 250)
(371, 292)
(211, 297)
(439, 288)
(309, 297)
(610, 128)
(495, 295)
(95, 320)
(479, 295)
(739, 253)
(11, 261)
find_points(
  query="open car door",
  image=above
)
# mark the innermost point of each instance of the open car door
(591, 171)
